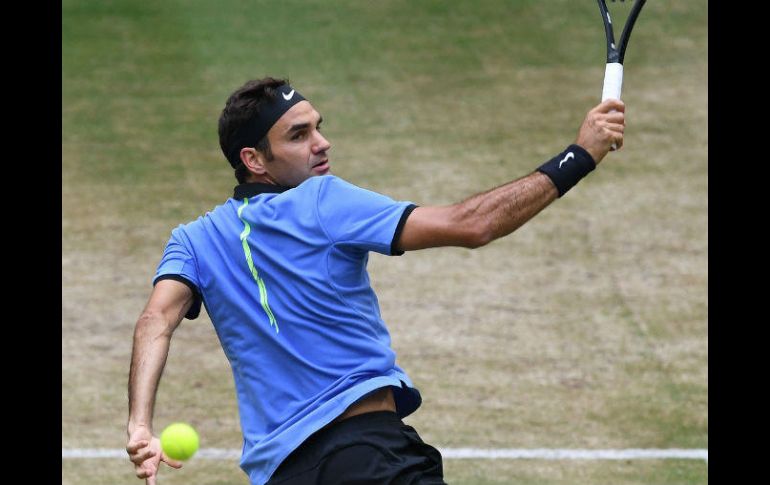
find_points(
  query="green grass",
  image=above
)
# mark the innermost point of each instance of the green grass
(587, 328)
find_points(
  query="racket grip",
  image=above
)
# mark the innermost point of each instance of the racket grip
(613, 83)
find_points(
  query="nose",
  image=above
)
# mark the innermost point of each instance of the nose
(321, 144)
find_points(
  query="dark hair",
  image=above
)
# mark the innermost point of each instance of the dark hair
(244, 104)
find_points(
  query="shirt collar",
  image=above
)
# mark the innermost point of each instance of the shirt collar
(248, 190)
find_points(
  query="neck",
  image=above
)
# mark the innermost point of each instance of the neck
(264, 178)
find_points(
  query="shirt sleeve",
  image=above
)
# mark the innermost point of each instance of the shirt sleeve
(178, 264)
(361, 218)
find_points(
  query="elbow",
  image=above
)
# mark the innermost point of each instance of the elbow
(148, 317)
(471, 229)
(153, 322)
(480, 234)
(479, 240)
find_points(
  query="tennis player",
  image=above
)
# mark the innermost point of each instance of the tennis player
(281, 269)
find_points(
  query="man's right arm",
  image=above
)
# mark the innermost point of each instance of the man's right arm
(485, 217)
(169, 302)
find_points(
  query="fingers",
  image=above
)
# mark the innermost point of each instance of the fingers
(137, 455)
(139, 458)
(170, 461)
(613, 126)
(610, 104)
(145, 471)
(615, 117)
(616, 132)
(134, 446)
(618, 142)
(603, 127)
(146, 455)
(610, 111)
(615, 139)
(141, 455)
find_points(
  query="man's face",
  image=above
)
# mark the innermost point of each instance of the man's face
(299, 149)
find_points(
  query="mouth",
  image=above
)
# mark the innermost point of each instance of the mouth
(322, 166)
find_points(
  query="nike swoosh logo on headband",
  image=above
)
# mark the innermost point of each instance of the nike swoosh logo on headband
(288, 96)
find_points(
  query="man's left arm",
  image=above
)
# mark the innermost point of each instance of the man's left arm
(490, 215)
(480, 219)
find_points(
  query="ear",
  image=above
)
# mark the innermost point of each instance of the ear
(254, 160)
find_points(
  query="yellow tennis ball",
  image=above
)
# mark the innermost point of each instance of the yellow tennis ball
(179, 441)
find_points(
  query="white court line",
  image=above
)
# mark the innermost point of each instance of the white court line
(457, 453)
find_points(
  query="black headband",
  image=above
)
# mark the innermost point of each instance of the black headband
(249, 134)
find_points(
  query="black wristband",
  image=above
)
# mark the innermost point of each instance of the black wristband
(567, 168)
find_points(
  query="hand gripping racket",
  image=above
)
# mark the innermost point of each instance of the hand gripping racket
(613, 72)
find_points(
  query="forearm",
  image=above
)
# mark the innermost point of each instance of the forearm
(500, 211)
(152, 337)
(480, 219)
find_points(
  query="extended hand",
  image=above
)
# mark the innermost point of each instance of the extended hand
(603, 127)
(145, 453)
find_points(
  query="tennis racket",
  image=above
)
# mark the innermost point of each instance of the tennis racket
(613, 72)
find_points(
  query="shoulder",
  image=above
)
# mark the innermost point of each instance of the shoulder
(322, 182)
(322, 189)
(187, 230)
(331, 186)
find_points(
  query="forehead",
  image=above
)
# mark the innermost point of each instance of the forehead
(302, 112)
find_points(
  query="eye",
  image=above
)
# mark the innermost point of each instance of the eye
(298, 135)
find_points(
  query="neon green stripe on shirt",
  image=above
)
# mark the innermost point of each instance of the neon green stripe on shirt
(247, 251)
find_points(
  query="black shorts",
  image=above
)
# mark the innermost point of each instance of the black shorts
(371, 448)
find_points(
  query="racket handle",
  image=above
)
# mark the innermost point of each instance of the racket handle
(613, 83)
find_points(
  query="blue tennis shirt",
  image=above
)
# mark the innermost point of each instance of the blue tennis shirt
(282, 273)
